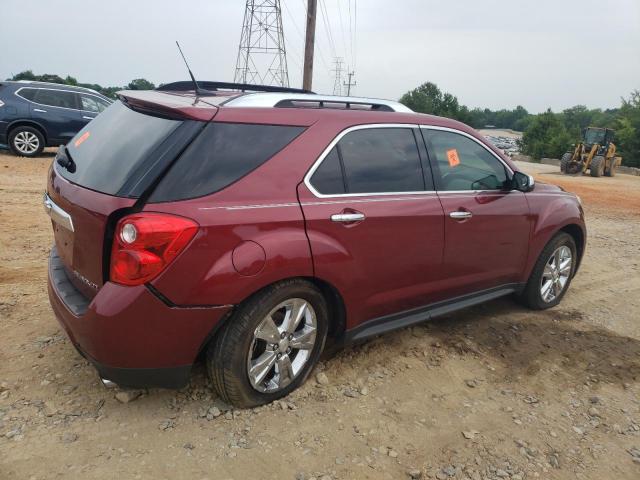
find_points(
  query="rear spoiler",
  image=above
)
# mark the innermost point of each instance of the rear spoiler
(185, 86)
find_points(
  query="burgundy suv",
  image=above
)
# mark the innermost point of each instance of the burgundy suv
(250, 228)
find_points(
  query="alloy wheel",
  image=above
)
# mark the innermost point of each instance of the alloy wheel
(556, 274)
(26, 143)
(282, 345)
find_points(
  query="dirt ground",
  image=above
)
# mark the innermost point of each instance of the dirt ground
(494, 392)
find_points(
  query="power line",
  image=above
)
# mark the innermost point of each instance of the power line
(344, 42)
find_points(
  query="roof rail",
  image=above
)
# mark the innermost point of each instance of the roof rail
(284, 100)
(213, 86)
(61, 85)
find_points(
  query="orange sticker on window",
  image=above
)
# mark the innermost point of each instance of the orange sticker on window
(82, 138)
(452, 156)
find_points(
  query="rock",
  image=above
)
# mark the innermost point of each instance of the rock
(364, 391)
(126, 396)
(470, 435)
(553, 460)
(414, 474)
(634, 452)
(215, 412)
(322, 378)
(593, 412)
(449, 471)
(393, 454)
(166, 425)
(471, 383)
(501, 473)
(350, 392)
(595, 400)
(69, 437)
(578, 430)
(188, 446)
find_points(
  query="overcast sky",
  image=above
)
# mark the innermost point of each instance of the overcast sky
(489, 53)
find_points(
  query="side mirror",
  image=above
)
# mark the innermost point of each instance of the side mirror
(522, 182)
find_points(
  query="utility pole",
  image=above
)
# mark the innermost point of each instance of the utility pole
(262, 58)
(307, 76)
(349, 84)
(337, 83)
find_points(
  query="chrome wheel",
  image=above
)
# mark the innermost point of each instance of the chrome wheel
(26, 143)
(556, 274)
(282, 345)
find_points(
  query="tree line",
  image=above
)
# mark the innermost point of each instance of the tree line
(548, 134)
(136, 84)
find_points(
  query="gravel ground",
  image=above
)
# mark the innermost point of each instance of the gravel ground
(494, 392)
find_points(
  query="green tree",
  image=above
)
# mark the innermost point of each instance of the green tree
(546, 136)
(428, 98)
(628, 130)
(140, 84)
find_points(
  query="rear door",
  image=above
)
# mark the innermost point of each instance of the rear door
(58, 112)
(374, 223)
(91, 106)
(487, 225)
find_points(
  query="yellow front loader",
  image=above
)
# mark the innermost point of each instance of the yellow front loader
(596, 153)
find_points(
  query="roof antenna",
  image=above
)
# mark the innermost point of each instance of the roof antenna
(198, 90)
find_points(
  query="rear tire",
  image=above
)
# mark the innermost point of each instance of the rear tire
(564, 161)
(26, 141)
(250, 363)
(597, 166)
(534, 294)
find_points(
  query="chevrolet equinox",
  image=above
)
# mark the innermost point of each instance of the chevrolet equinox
(247, 228)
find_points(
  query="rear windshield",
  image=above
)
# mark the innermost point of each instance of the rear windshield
(109, 149)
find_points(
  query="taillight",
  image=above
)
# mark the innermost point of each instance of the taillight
(145, 243)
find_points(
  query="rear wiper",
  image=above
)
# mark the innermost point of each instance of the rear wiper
(63, 157)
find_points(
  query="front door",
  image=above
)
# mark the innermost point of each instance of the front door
(487, 225)
(374, 223)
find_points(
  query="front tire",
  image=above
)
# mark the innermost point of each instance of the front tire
(597, 166)
(270, 345)
(26, 141)
(552, 273)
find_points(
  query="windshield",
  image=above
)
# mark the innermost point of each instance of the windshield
(594, 136)
(109, 149)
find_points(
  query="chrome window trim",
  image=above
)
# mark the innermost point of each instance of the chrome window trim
(465, 134)
(325, 152)
(16, 93)
(271, 99)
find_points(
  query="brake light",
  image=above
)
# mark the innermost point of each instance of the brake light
(145, 243)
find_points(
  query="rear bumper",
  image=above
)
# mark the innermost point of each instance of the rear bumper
(131, 336)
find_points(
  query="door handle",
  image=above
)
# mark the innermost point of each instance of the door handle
(460, 215)
(347, 217)
(88, 118)
(39, 110)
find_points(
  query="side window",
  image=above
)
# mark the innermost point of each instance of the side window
(91, 104)
(328, 178)
(462, 164)
(220, 155)
(28, 93)
(56, 98)
(379, 160)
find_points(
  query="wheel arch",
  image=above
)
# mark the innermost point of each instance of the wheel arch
(27, 123)
(335, 304)
(578, 235)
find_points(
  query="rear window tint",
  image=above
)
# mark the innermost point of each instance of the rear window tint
(108, 151)
(220, 155)
(56, 98)
(328, 178)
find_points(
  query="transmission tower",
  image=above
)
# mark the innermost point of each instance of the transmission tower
(337, 83)
(262, 58)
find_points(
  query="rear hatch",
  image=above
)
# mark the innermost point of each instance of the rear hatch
(108, 169)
